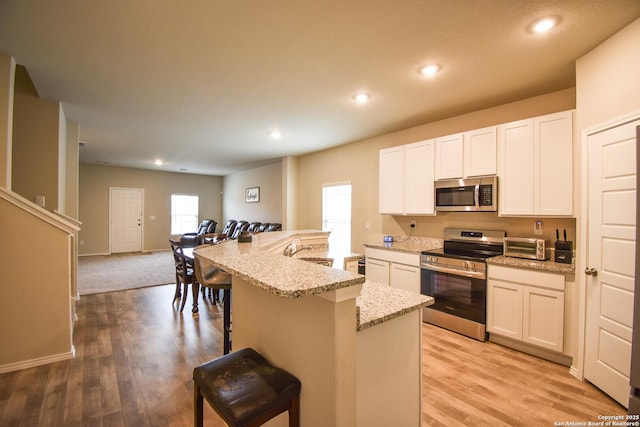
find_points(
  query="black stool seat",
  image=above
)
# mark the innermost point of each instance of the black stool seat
(245, 389)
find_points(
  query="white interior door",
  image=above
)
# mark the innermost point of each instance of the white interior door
(126, 220)
(610, 262)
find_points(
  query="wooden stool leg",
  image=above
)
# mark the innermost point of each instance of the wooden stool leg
(294, 412)
(198, 418)
(226, 324)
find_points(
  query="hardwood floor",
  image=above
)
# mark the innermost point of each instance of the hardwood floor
(135, 355)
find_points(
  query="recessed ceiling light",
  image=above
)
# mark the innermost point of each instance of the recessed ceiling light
(543, 25)
(157, 162)
(275, 134)
(362, 98)
(429, 70)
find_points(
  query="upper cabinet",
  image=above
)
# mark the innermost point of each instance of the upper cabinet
(480, 152)
(466, 154)
(449, 156)
(535, 166)
(406, 179)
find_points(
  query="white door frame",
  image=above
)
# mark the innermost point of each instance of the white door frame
(577, 368)
(141, 190)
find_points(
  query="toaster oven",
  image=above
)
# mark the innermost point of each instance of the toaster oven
(522, 247)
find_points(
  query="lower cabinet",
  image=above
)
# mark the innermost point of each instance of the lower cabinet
(396, 269)
(527, 306)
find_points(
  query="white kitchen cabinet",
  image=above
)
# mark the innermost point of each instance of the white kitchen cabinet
(397, 269)
(406, 179)
(468, 154)
(480, 152)
(377, 270)
(527, 306)
(535, 166)
(405, 277)
(391, 186)
(449, 151)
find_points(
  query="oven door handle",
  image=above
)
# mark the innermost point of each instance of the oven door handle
(455, 271)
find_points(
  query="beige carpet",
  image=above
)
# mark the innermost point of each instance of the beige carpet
(109, 273)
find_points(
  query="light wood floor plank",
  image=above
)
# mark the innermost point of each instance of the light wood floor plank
(135, 355)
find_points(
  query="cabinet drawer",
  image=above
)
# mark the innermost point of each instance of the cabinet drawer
(540, 279)
(393, 256)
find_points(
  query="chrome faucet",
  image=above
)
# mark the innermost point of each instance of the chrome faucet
(291, 249)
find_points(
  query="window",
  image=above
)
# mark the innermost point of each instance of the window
(184, 214)
(336, 215)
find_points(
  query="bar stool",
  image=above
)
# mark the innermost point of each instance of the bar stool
(245, 390)
(215, 278)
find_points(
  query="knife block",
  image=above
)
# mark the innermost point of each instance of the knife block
(564, 252)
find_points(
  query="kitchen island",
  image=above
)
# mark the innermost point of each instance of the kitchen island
(354, 345)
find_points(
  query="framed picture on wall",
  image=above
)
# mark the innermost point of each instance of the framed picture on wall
(252, 195)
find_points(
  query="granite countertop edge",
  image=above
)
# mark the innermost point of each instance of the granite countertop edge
(374, 310)
(549, 266)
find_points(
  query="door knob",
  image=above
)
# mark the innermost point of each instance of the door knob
(591, 272)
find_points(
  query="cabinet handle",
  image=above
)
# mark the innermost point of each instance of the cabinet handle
(591, 272)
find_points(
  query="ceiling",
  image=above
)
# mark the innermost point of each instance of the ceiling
(200, 84)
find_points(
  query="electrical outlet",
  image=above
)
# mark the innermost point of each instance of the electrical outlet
(537, 227)
(413, 224)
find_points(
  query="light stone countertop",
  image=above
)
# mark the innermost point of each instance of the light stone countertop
(379, 303)
(550, 266)
(295, 278)
(412, 245)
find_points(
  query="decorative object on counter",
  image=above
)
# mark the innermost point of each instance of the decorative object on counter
(244, 237)
(388, 239)
(564, 249)
(252, 195)
(245, 390)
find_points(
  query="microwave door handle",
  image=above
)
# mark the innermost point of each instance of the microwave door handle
(476, 196)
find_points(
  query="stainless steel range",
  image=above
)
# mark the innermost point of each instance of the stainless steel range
(456, 276)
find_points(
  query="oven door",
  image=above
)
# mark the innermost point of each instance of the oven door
(462, 295)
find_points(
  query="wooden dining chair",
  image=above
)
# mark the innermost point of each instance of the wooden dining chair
(184, 274)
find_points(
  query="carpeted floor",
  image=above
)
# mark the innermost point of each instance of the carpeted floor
(109, 273)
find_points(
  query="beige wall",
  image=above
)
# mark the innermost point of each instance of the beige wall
(95, 181)
(36, 144)
(607, 78)
(269, 209)
(358, 163)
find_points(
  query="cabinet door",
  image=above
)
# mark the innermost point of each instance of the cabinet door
(504, 309)
(515, 165)
(405, 277)
(377, 271)
(419, 159)
(553, 158)
(543, 323)
(449, 156)
(391, 185)
(480, 152)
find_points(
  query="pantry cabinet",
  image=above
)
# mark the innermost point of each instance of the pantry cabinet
(406, 179)
(535, 158)
(526, 306)
(396, 269)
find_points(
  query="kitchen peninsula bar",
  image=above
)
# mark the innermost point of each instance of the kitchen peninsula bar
(356, 346)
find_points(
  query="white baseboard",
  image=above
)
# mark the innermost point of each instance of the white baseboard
(96, 254)
(25, 364)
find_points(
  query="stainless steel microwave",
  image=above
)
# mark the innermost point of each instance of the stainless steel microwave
(471, 194)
